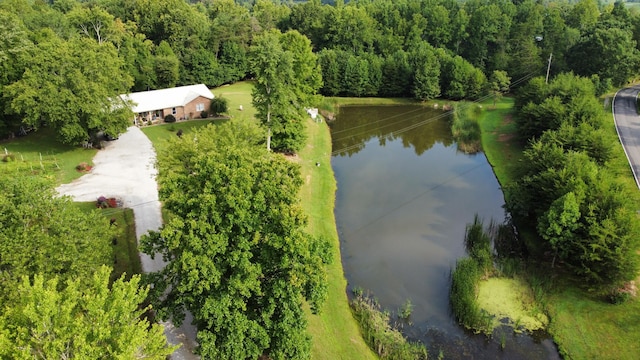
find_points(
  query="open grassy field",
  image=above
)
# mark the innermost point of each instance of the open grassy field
(586, 327)
(237, 94)
(39, 153)
(157, 133)
(583, 326)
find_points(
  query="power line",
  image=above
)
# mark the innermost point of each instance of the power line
(416, 197)
(421, 194)
(413, 126)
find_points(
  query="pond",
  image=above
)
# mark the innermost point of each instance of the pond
(405, 195)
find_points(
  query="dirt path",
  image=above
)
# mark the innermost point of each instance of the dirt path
(125, 169)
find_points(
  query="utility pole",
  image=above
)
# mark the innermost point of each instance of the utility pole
(546, 81)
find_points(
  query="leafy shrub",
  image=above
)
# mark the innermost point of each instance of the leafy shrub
(169, 118)
(218, 106)
(204, 114)
(619, 297)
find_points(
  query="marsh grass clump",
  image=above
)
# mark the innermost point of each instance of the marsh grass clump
(478, 244)
(405, 310)
(465, 128)
(381, 336)
(463, 295)
(466, 276)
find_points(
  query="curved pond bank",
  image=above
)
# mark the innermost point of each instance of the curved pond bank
(405, 195)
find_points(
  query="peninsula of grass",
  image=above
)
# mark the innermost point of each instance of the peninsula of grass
(40, 153)
(583, 325)
(499, 139)
(335, 333)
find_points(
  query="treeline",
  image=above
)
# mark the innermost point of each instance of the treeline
(569, 190)
(412, 48)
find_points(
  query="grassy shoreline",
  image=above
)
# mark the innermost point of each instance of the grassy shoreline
(582, 325)
(335, 332)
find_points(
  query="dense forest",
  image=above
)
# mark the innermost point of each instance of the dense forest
(411, 48)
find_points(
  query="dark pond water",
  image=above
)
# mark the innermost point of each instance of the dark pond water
(404, 197)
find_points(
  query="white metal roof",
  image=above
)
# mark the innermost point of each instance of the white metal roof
(166, 98)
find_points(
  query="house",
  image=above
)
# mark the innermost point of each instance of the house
(184, 102)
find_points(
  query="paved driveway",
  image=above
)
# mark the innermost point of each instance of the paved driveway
(125, 169)
(625, 115)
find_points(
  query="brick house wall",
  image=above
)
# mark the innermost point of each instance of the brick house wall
(191, 108)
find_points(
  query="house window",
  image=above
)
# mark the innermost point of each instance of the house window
(173, 111)
(200, 107)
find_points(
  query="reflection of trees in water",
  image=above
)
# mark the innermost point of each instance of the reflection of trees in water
(355, 125)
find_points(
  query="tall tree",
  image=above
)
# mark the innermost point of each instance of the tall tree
(559, 224)
(310, 18)
(137, 53)
(272, 67)
(14, 45)
(93, 22)
(426, 79)
(73, 86)
(287, 78)
(583, 15)
(167, 66)
(610, 53)
(488, 29)
(499, 84)
(238, 256)
(270, 15)
(351, 28)
(96, 320)
(45, 234)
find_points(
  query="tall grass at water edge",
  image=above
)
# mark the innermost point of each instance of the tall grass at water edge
(466, 276)
(465, 127)
(382, 337)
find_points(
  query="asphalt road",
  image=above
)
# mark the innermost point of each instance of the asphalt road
(625, 115)
(125, 169)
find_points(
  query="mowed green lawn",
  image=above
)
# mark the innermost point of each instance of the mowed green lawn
(583, 326)
(335, 333)
(238, 94)
(158, 133)
(39, 153)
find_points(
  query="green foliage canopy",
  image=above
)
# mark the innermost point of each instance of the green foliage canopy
(287, 78)
(72, 86)
(76, 320)
(44, 234)
(582, 213)
(238, 256)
